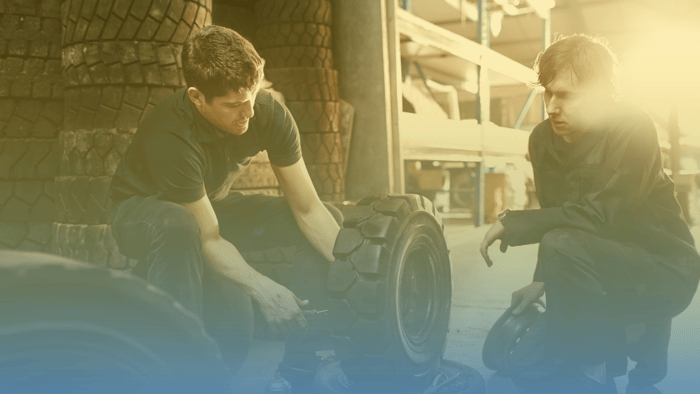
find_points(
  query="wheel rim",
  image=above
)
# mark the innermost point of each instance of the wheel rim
(417, 297)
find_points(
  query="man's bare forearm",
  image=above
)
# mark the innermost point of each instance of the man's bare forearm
(320, 228)
(226, 260)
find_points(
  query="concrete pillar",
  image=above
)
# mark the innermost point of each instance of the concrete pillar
(366, 55)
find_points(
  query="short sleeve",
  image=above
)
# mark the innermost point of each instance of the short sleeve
(282, 136)
(176, 167)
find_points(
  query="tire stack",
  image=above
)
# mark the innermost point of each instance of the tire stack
(239, 15)
(31, 113)
(120, 58)
(294, 38)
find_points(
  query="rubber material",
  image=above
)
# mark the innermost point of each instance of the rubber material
(309, 11)
(30, 118)
(30, 236)
(297, 56)
(70, 325)
(122, 63)
(83, 199)
(293, 34)
(27, 77)
(257, 175)
(92, 152)
(305, 83)
(274, 263)
(143, 20)
(391, 256)
(92, 244)
(502, 340)
(322, 148)
(28, 159)
(328, 180)
(315, 116)
(27, 201)
(109, 107)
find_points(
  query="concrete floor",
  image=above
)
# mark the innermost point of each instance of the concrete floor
(480, 296)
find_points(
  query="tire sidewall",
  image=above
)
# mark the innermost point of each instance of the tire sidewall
(420, 229)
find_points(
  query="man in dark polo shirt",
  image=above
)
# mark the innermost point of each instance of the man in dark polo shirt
(614, 248)
(174, 211)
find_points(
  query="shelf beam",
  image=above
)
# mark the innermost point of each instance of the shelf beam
(428, 34)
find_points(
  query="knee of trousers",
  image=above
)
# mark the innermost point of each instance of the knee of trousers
(558, 249)
(178, 227)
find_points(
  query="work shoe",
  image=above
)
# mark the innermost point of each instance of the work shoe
(332, 380)
(456, 378)
(451, 378)
(651, 355)
(301, 380)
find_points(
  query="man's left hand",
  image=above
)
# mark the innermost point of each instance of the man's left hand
(497, 231)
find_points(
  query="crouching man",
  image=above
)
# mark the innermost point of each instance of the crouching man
(174, 211)
(614, 248)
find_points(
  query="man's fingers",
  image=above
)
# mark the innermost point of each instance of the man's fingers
(514, 298)
(301, 302)
(301, 321)
(519, 308)
(485, 254)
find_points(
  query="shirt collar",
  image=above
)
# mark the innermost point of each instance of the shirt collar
(577, 149)
(205, 131)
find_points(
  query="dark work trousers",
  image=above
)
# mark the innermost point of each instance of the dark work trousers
(165, 237)
(596, 286)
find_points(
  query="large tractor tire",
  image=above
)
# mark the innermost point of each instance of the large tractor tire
(391, 292)
(70, 327)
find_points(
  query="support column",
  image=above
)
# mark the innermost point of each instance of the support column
(546, 42)
(367, 67)
(483, 105)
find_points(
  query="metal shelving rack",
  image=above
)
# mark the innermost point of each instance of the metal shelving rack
(466, 141)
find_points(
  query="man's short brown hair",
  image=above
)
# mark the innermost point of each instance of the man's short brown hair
(216, 60)
(589, 58)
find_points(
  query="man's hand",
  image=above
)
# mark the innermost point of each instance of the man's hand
(495, 232)
(526, 296)
(280, 307)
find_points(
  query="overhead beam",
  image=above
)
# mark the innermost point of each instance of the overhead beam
(426, 33)
(467, 9)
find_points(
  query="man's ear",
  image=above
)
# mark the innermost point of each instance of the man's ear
(196, 96)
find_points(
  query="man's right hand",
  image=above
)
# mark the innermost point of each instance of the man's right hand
(526, 296)
(280, 307)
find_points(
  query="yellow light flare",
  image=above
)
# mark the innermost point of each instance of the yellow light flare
(663, 69)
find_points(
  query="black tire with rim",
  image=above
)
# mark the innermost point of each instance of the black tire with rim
(504, 347)
(391, 292)
(84, 329)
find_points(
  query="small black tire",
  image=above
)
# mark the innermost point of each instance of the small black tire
(391, 292)
(505, 335)
(78, 327)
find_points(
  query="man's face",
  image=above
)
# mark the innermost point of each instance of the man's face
(571, 106)
(231, 112)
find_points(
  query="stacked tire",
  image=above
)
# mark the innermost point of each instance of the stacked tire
(31, 113)
(294, 38)
(240, 17)
(120, 59)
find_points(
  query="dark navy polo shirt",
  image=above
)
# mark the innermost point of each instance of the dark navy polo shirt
(179, 156)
